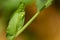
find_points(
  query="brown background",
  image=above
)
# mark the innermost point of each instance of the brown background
(46, 26)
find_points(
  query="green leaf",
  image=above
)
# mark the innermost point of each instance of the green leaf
(16, 22)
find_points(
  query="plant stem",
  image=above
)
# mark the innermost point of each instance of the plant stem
(27, 24)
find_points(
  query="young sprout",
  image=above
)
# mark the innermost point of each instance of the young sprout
(41, 4)
(16, 23)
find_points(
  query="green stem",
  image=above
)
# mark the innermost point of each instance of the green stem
(27, 24)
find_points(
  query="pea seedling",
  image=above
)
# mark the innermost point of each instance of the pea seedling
(16, 23)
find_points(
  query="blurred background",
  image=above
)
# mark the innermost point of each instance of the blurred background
(45, 27)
